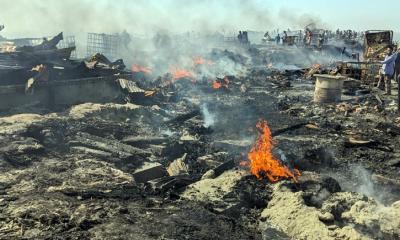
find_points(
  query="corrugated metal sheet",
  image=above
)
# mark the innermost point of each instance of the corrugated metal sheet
(130, 86)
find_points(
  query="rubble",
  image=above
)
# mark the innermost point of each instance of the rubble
(178, 166)
(99, 151)
(149, 171)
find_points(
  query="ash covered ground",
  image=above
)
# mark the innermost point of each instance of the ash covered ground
(173, 163)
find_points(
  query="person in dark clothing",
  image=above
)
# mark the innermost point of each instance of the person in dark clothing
(240, 37)
(278, 39)
(245, 38)
(320, 41)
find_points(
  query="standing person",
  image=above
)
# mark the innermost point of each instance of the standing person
(245, 37)
(387, 70)
(278, 39)
(320, 41)
(240, 36)
(308, 37)
(284, 38)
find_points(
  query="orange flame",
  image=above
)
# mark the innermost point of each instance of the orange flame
(263, 163)
(180, 73)
(217, 85)
(137, 68)
(201, 61)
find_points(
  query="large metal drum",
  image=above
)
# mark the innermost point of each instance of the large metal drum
(328, 88)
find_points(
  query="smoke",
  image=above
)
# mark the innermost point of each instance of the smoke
(209, 118)
(141, 18)
(301, 58)
(298, 21)
(47, 17)
(364, 183)
(360, 180)
(180, 21)
(205, 64)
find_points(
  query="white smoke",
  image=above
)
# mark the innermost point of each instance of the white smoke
(47, 17)
(209, 118)
(364, 182)
(360, 180)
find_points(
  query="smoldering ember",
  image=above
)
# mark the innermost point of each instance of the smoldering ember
(279, 134)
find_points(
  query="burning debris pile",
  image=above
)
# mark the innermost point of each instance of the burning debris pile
(262, 161)
(177, 150)
(217, 84)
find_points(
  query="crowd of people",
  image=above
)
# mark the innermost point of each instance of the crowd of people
(309, 37)
(243, 37)
(390, 69)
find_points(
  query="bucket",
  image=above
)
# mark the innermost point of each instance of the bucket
(328, 88)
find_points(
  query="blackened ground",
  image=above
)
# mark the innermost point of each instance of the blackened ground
(70, 175)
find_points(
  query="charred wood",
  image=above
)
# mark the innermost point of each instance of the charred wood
(287, 129)
(106, 145)
(184, 117)
(171, 182)
(140, 141)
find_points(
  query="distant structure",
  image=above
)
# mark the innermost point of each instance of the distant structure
(106, 44)
(1, 27)
(68, 41)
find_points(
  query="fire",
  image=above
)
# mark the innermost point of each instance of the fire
(181, 73)
(137, 68)
(217, 85)
(201, 61)
(263, 163)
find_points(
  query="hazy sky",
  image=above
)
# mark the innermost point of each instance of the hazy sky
(355, 14)
(48, 17)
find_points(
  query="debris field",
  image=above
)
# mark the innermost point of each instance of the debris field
(232, 145)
